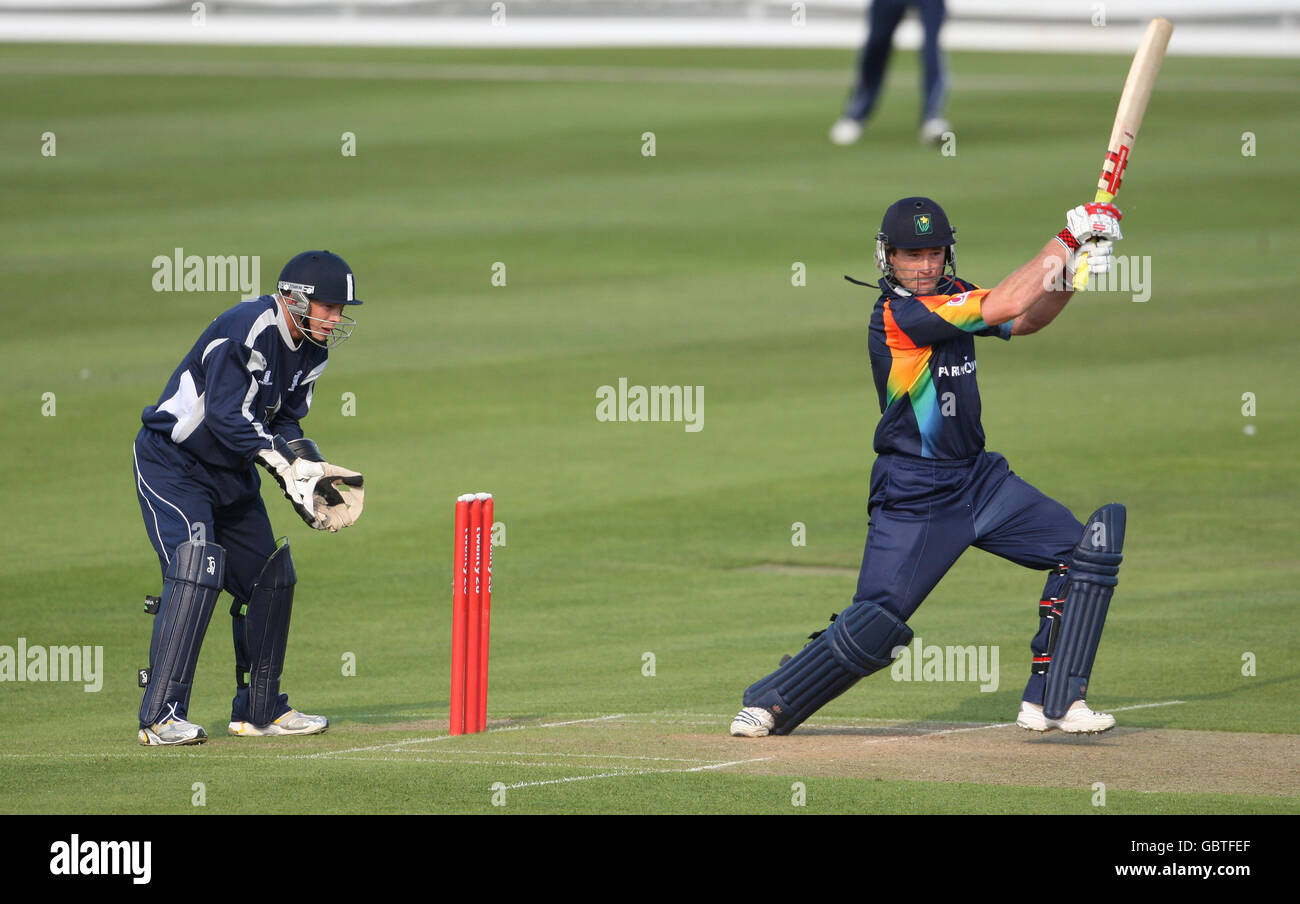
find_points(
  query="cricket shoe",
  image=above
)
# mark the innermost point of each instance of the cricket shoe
(752, 722)
(172, 732)
(1078, 719)
(846, 131)
(291, 723)
(932, 130)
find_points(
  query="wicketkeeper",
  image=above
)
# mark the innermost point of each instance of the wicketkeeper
(936, 491)
(236, 400)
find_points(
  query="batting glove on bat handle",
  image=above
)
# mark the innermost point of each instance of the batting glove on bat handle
(297, 477)
(1095, 228)
(1094, 256)
(1094, 220)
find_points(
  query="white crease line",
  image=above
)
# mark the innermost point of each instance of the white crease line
(946, 731)
(585, 756)
(942, 731)
(584, 778)
(1121, 709)
(409, 741)
(841, 721)
(394, 744)
(577, 721)
(531, 764)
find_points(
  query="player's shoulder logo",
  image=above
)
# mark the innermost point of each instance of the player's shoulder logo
(958, 300)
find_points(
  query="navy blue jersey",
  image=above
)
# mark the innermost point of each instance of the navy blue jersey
(923, 361)
(243, 382)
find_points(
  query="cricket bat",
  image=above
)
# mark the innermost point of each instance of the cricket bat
(1128, 119)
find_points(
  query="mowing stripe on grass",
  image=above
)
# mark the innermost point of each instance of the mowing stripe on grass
(496, 72)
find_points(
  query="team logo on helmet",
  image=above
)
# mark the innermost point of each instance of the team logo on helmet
(923, 223)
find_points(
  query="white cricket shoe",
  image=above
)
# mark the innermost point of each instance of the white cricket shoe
(1078, 719)
(291, 723)
(172, 732)
(846, 131)
(752, 722)
(932, 130)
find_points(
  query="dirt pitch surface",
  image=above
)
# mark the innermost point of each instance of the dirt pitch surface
(591, 748)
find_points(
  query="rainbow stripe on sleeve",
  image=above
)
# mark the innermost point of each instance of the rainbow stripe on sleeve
(909, 374)
(963, 311)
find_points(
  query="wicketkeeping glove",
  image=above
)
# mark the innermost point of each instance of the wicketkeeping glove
(340, 496)
(297, 476)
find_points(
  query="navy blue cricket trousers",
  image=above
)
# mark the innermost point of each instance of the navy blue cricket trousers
(882, 20)
(925, 513)
(177, 492)
(182, 498)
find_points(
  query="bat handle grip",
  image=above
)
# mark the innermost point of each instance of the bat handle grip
(1081, 274)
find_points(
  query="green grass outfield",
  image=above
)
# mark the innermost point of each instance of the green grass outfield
(627, 539)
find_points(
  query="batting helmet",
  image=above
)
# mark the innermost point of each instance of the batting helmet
(915, 223)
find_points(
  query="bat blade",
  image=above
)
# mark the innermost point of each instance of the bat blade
(1128, 119)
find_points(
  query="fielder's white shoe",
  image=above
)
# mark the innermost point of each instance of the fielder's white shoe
(752, 722)
(846, 131)
(1078, 719)
(291, 723)
(932, 130)
(173, 731)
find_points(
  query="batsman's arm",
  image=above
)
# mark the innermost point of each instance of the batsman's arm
(1037, 282)
(1041, 314)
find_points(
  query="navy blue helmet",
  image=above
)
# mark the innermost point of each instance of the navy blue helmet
(323, 277)
(915, 223)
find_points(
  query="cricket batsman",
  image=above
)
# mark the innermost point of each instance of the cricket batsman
(935, 489)
(236, 400)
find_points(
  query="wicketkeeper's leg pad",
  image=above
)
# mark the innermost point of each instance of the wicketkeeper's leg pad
(1094, 573)
(191, 586)
(266, 634)
(861, 640)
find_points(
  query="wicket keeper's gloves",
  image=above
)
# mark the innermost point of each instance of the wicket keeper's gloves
(339, 497)
(297, 476)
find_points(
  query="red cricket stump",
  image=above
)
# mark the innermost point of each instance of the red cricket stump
(473, 650)
(485, 607)
(459, 616)
(471, 613)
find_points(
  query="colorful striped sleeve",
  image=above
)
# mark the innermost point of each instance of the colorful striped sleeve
(928, 319)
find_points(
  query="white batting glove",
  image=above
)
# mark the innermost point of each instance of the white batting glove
(297, 477)
(1094, 221)
(1100, 254)
(1093, 229)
